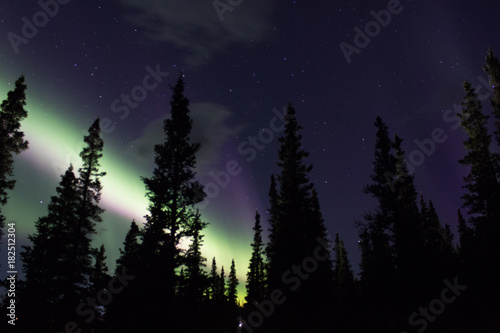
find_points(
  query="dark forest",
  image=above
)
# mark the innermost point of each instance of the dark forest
(414, 276)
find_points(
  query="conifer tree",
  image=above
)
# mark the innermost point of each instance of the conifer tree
(196, 280)
(44, 261)
(274, 233)
(127, 304)
(482, 201)
(172, 192)
(217, 283)
(448, 247)
(317, 234)
(296, 230)
(290, 213)
(256, 284)
(12, 142)
(465, 247)
(481, 183)
(320, 281)
(99, 280)
(214, 281)
(376, 233)
(342, 273)
(129, 256)
(79, 253)
(181, 282)
(63, 237)
(439, 253)
(100, 276)
(222, 286)
(431, 224)
(408, 236)
(377, 254)
(232, 293)
(492, 68)
(345, 288)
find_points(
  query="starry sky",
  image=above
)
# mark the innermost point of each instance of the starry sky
(340, 63)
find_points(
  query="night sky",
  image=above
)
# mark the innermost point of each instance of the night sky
(116, 61)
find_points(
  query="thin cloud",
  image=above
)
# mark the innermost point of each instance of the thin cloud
(210, 128)
(194, 26)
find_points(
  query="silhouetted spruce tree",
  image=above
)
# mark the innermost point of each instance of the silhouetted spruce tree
(232, 292)
(492, 68)
(44, 262)
(99, 280)
(431, 224)
(343, 276)
(126, 303)
(129, 256)
(289, 211)
(465, 247)
(216, 314)
(294, 193)
(320, 281)
(222, 286)
(65, 233)
(406, 253)
(12, 141)
(439, 253)
(196, 280)
(408, 239)
(345, 296)
(100, 277)
(448, 248)
(482, 187)
(172, 192)
(217, 284)
(482, 201)
(181, 283)
(296, 230)
(214, 290)
(256, 278)
(79, 252)
(481, 183)
(377, 256)
(467, 264)
(274, 232)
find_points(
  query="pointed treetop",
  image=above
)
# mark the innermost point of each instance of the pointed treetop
(492, 68)
(12, 140)
(232, 293)
(92, 152)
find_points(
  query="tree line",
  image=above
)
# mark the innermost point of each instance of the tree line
(414, 276)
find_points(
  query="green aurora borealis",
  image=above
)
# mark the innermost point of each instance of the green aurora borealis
(262, 56)
(55, 141)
